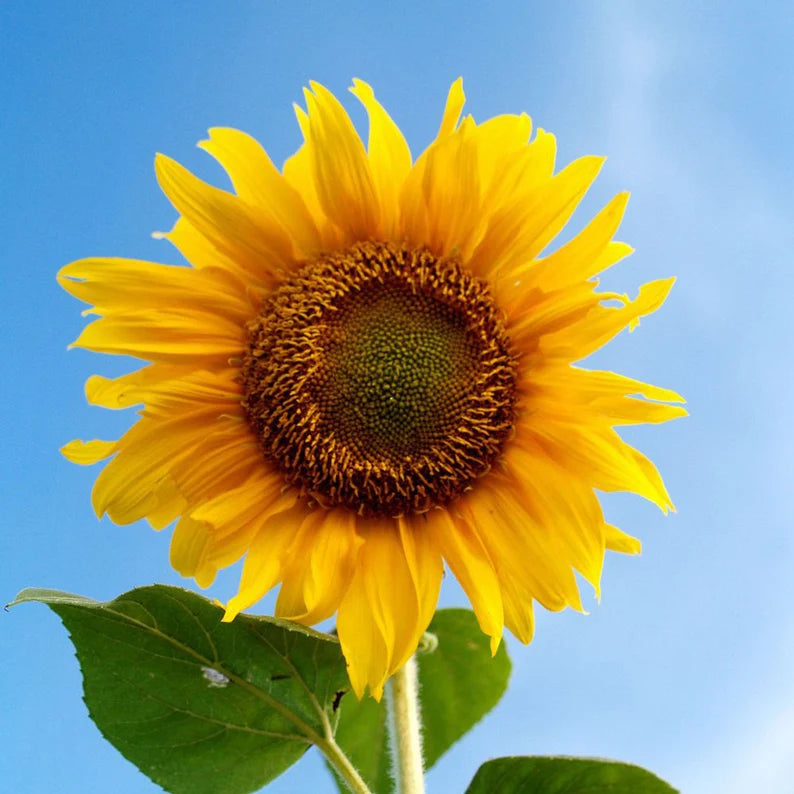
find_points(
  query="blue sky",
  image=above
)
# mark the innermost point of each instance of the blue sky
(685, 666)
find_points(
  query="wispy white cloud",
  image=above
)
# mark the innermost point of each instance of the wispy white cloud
(723, 211)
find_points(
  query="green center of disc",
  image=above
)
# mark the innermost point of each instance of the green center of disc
(396, 367)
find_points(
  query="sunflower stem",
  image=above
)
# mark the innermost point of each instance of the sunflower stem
(405, 728)
(341, 763)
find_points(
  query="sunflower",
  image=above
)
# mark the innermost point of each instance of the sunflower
(368, 369)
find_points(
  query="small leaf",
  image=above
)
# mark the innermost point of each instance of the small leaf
(562, 775)
(200, 706)
(459, 684)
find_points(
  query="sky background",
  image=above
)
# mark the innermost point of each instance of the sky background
(686, 665)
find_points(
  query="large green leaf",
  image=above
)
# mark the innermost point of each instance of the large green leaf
(459, 683)
(561, 775)
(200, 706)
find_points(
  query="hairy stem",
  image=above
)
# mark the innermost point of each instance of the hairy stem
(405, 728)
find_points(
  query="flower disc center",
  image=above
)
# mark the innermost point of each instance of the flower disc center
(380, 378)
(395, 371)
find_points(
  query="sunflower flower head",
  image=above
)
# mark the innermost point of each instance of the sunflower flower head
(367, 369)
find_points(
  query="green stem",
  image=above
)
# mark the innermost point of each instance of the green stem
(405, 728)
(341, 763)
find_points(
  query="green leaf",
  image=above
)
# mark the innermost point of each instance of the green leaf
(459, 683)
(200, 706)
(561, 775)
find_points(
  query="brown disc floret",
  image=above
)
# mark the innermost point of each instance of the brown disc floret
(380, 378)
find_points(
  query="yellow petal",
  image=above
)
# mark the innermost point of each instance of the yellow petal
(533, 313)
(221, 462)
(580, 258)
(189, 545)
(580, 397)
(195, 247)
(257, 181)
(389, 156)
(168, 390)
(452, 110)
(469, 561)
(382, 618)
(617, 540)
(440, 201)
(87, 452)
(564, 510)
(148, 452)
(499, 141)
(263, 562)
(259, 249)
(320, 564)
(598, 456)
(533, 216)
(113, 284)
(168, 335)
(426, 568)
(167, 504)
(631, 411)
(342, 175)
(596, 384)
(300, 173)
(519, 615)
(581, 338)
(522, 552)
(247, 502)
(132, 388)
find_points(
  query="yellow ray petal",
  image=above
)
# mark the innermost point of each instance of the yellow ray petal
(581, 257)
(167, 504)
(389, 156)
(519, 616)
(382, 618)
(580, 397)
(469, 561)
(189, 544)
(521, 173)
(499, 141)
(320, 564)
(167, 388)
(452, 110)
(631, 411)
(247, 502)
(342, 175)
(113, 284)
(521, 551)
(221, 462)
(259, 249)
(364, 645)
(257, 181)
(533, 313)
(580, 339)
(147, 453)
(617, 540)
(300, 173)
(168, 335)
(132, 388)
(597, 384)
(440, 201)
(88, 452)
(597, 456)
(564, 510)
(195, 247)
(533, 216)
(264, 560)
(426, 568)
